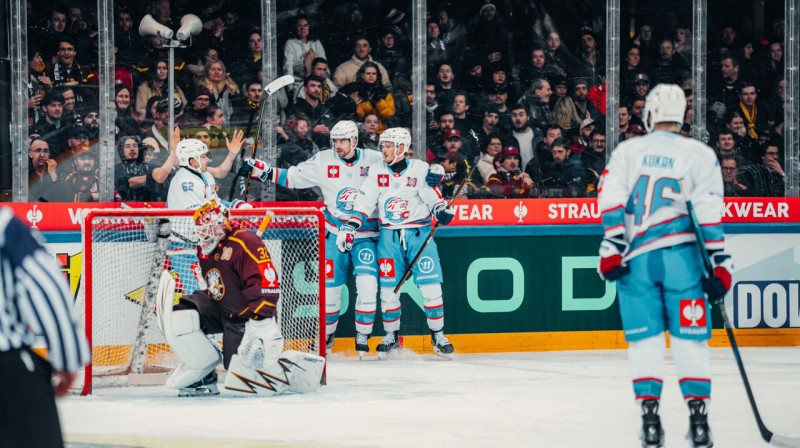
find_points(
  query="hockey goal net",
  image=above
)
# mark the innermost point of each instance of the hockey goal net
(125, 252)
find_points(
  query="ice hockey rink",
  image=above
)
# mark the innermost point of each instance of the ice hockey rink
(539, 399)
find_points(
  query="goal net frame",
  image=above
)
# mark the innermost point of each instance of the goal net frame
(281, 219)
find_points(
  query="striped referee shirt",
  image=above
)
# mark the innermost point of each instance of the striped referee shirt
(35, 298)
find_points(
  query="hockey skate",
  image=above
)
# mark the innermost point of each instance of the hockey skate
(699, 435)
(441, 345)
(651, 434)
(389, 344)
(203, 388)
(361, 344)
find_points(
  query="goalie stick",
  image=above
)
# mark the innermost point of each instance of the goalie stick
(410, 266)
(768, 436)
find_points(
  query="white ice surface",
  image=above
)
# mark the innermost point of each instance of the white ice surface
(544, 399)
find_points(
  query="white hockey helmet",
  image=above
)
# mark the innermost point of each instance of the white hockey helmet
(188, 149)
(345, 129)
(398, 136)
(666, 103)
(212, 223)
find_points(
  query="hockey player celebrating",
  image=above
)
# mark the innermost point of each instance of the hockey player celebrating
(651, 251)
(240, 301)
(338, 173)
(397, 187)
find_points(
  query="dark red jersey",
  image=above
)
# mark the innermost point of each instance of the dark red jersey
(241, 276)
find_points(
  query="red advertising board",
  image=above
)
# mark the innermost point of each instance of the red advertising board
(50, 216)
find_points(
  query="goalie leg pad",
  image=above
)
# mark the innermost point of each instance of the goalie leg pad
(293, 372)
(197, 353)
(366, 302)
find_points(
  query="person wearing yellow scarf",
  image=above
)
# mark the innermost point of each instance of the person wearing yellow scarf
(747, 103)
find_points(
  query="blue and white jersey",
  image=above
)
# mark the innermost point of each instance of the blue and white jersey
(189, 190)
(640, 192)
(403, 199)
(339, 182)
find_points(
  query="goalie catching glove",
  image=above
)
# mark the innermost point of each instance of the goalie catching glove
(443, 213)
(718, 284)
(261, 344)
(346, 237)
(257, 169)
(612, 252)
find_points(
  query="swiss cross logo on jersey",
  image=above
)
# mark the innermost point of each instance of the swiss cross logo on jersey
(364, 171)
(269, 276)
(693, 312)
(383, 180)
(386, 266)
(412, 182)
(328, 268)
(333, 172)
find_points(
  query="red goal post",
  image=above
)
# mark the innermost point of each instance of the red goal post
(125, 251)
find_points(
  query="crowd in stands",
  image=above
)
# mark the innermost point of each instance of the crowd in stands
(518, 94)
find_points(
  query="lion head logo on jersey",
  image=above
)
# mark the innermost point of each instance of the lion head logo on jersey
(396, 210)
(345, 198)
(216, 289)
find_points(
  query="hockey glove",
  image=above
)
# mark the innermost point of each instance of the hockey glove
(257, 169)
(435, 175)
(261, 344)
(238, 203)
(718, 285)
(611, 267)
(443, 213)
(345, 238)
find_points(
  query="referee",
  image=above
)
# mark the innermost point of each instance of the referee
(34, 301)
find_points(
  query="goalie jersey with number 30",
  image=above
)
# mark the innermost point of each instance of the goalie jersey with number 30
(640, 196)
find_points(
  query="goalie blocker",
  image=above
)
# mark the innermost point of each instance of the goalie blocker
(240, 302)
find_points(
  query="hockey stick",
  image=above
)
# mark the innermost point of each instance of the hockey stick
(271, 88)
(410, 266)
(766, 434)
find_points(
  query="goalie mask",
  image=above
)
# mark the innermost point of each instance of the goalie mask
(396, 136)
(212, 224)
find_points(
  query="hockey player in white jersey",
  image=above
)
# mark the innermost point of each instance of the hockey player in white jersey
(651, 251)
(405, 202)
(338, 173)
(192, 186)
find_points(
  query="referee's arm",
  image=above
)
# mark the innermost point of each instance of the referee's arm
(37, 290)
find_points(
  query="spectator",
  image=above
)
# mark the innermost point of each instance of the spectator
(195, 113)
(456, 170)
(436, 51)
(683, 42)
(592, 62)
(51, 127)
(755, 119)
(66, 69)
(491, 117)
(124, 124)
(725, 89)
(509, 181)
(370, 134)
(157, 127)
(726, 147)
(82, 184)
(473, 79)
(374, 97)
(445, 84)
(38, 84)
(431, 105)
(631, 67)
(69, 115)
(391, 56)
(300, 51)
(91, 123)
(157, 85)
(584, 138)
(77, 142)
(209, 55)
(488, 38)
(594, 161)
(730, 170)
(526, 137)
(323, 116)
(245, 113)
(580, 95)
(42, 172)
(557, 55)
(134, 179)
(565, 177)
(566, 116)
(498, 97)
(624, 121)
(543, 151)
(537, 69)
(454, 34)
(774, 66)
(559, 85)
(56, 29)
(486, 161)
(537, 101)
(668, 68)
(319, 67)
(248, 63)
(221, 86)
(215, 124)
(435, 140)
(127, 41)
(346, 72)
(637, 107)
(641, 85)
(767, 178)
